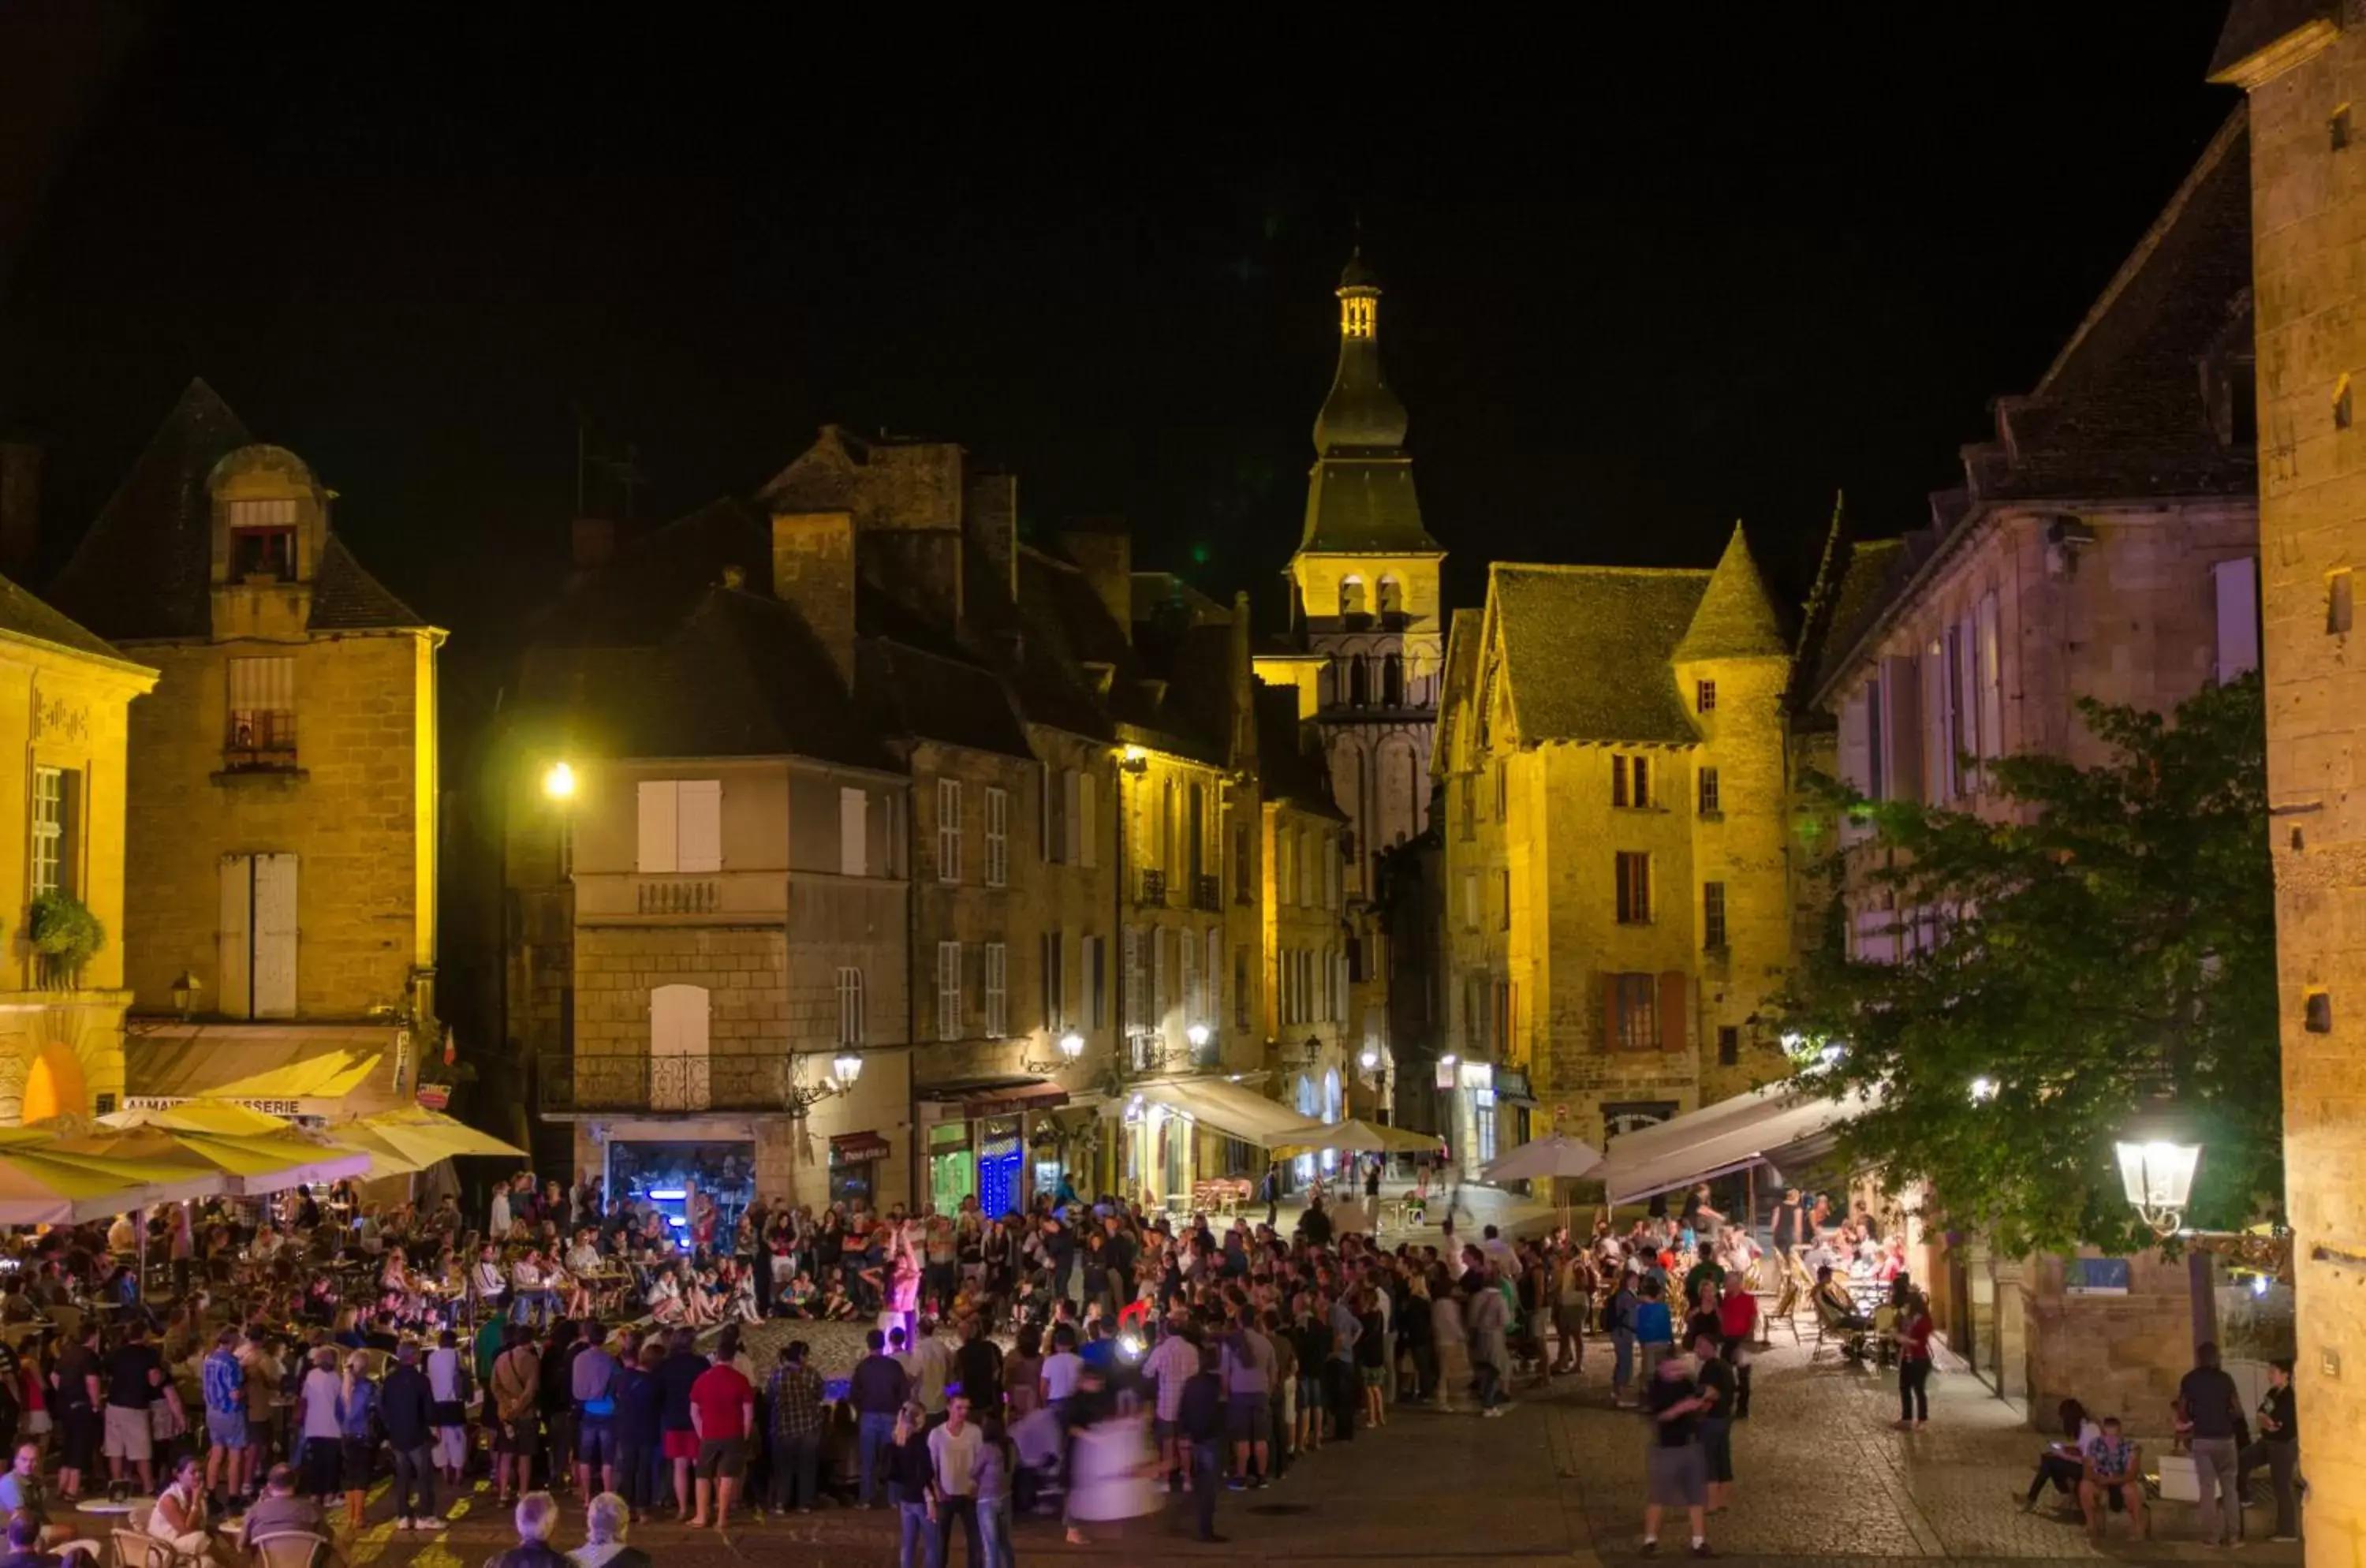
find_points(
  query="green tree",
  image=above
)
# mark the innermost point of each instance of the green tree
(2111, 938)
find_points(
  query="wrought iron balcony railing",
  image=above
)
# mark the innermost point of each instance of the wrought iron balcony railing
(1208, 893)
(572, 1084)
(1153, 887)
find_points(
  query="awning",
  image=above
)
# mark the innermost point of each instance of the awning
(250, 1166)
(425, 1136)
(1772, 1124)
(847, 1149)
(1236, 1112)
(286, 1072)
(995, 1095)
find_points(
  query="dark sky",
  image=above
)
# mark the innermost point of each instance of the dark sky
(1638, 285)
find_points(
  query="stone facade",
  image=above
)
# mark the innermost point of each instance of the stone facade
(1308, 1000)
(2304, 67)
(1616, 889)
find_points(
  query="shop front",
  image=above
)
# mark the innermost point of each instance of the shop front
(854, 1160)
(999, 1141)
(667, 1174)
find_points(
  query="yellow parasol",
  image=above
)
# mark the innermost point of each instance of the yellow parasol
(250, 1167)
(198, 1116)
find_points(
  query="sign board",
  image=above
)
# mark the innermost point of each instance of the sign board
(2094, 1276)
(435, 1096)
(1445, 1075)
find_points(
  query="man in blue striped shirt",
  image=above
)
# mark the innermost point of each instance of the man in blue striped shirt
(225, 1381)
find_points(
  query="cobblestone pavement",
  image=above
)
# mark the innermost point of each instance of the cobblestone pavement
(1822, 1480)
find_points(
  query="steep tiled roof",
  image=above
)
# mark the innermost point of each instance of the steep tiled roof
(643, 592)
(24, 615)
(926, 697)
(1587, 650)
(2255, 25)
(1736, 618)
(346, 598)
(143, 570)
(2124, 410)
(1357, 506)
(1868, 577)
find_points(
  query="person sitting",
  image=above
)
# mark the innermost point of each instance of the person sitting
(605, 1518)
(2113, 1480)
(25, 1541)
(24, 1495)
(797, 1299)
(2064, 1462)
(665, 1297)
(279, 1511)
(179, 1516)
(1836, 1306)
(536, 1516)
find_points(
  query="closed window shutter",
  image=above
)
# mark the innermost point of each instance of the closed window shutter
(1935, 768)
(1158, 999)
(658, 849)
(1901, 729)
(1855, 754)
(1075, 819)
(1215, 977)
(1991, 679)
(698, 825)
(1963, 651)
(853, 833)
(1672, 1012)
(234, 981)
(1610, 1013)
(2236, 584)
(274, 936)
(1047, 824)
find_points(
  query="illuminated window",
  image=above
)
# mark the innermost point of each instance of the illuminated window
(1634, 1012)
(1705, 696)
(1351, 595)
(261, 540)
(1713, 916)
(1728, 1046)
(1355, 316)
(262, 712)
(53, 829)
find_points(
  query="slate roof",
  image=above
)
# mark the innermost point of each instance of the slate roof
(1736, 617)
(926, 697)
(2122, 410)
(144, 570)
(25, 616)
(1867, 578)
(1587, 650)
(1364, 506)
(641, 593)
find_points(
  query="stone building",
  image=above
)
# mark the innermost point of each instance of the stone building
(2304, 65)
(1316, 1048)
(2105, 545)
(1612, 759)
(281, 836)
(64, 718)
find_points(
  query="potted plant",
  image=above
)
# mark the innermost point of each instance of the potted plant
(66, 933)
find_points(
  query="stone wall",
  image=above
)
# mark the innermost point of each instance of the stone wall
(358, 814)
(2117, 1355)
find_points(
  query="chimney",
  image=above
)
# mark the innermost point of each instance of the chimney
(1103, 550)
(990, 532)
(21, 508)
(813, 571)
(591, 541)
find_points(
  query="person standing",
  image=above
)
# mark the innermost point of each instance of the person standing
(2211, 1407)
(324, 1434)
(1716, 1381)
(1200, 1430)
(997, 1462)
(2278, 1446)
(592, 1380)
(952, 1483)
(878, 1391)
(1914, 1331)
(225, 1390)
(798, 1420)
(515, 1387)
(1487, 1319)
(407, 1407)
(911, 1472)
(1247, 1365)
(448, 1381)
(135, 1376)
(722, 1414)
(681, 1368)
(1737, 1322)
(1677, 1477)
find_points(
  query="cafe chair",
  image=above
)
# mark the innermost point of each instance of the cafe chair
(290, 1549)
(138, 1548)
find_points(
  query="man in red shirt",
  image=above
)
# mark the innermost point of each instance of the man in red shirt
(723, 1413)
(1736, 1324)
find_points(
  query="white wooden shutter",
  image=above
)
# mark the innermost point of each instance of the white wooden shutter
(1991, 678)
(1160, 1001)
(1188, 949)
(274, 936)
(2237, 586)
(236, 942)
(998, 995)
(1901, 728)
(1964, 647)
(698, 825)
(853, 833)
(1047, 832)
(1937, 775)
(658, 849)
(1215, 977)
(1076, 819)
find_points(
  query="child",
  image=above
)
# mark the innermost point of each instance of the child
(797, 1300)
(835, 1305)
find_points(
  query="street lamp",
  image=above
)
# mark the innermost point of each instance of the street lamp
(1369, 1058)
(1984, 1089)
(1072, 1045)
(846, 1067)
(2157, 1167)
(558, 781)
(185, 993)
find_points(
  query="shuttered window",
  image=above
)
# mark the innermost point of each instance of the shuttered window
(949, 990)
(262, 710)
(997, 999)
(853, 833)
(680, 827)
(678, 1017)
(2236, 585)
(1192, 1000)
(997, 838)
(1634, 890)
(1632, 1013)
(1215, 973)
(949, 830)
(850, 1007)
(1083, 835)
(1136, 982)
(56, 830)
(256, 944)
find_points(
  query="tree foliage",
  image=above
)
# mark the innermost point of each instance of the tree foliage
(2105, 935)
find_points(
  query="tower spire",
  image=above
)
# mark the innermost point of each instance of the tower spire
(1361, 414)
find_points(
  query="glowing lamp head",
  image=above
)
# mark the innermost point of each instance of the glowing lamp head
(1367, 1058)
(2157, 1170)
(1196, 1034)
(1984, 1089)
(1072, 1045)
(847, 1067)
(558, 781)
(1448, 1059)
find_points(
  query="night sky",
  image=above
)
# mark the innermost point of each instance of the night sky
(1638, 285)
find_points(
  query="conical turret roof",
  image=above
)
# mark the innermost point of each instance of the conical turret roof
(1736, 618)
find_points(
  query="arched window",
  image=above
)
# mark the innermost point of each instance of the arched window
(1391, 596)
(678, 1034)
(1392, 681)
(1351, 595)
(1359, 687)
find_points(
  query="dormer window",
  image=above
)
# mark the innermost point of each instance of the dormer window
(262, 540)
